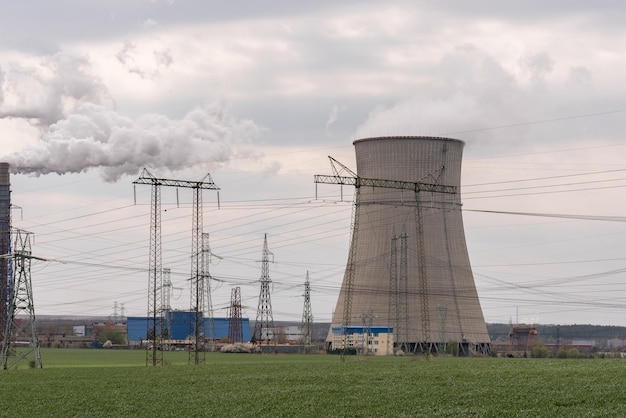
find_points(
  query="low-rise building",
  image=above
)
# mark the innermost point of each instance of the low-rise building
(376, 340)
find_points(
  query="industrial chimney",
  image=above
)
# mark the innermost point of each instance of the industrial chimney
(408, 269)
(5, 244)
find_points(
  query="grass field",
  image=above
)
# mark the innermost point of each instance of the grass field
(117, 383)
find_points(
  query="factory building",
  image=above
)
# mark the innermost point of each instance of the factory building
(408, 267)
(181, 325)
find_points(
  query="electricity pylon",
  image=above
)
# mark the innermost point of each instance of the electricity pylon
(392, 308)
(264, 324)
(402, 296)
(206, 280)
(154, 356)
(352, 179)
(166, 307)
(442, 312)
(398, 294)
(23, 330)
(198, 279)
(307, 317)
(235, 331)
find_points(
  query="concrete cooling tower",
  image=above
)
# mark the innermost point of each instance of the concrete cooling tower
(408, 272)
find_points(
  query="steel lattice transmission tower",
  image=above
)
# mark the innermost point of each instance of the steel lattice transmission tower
(198, 276)
(307, 317)
(154, 356)
(206, 281)
(23, 329)
(264, 324)
(339, 176)
(166, 306)
(442, 312)
(398, 292)
(235, 330)
(392, 309)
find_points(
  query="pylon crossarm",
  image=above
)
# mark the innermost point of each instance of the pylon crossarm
(147, 178)
(178, 183)
(388, 184)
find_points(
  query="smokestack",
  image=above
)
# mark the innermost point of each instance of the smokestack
(428, 295)
(5, 243)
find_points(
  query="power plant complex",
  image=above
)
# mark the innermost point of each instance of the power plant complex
(408, 284)
(408, 270)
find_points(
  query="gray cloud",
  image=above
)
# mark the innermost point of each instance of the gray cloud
(1, 86)
(128, 56)
(539, 65)
(474, 91)
(50, 91)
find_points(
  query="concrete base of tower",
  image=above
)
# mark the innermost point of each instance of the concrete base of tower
(379, 341)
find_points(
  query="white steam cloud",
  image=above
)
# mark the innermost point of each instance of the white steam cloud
(61, 97)
(46, 91)
(476, 92)
(94, 137)
(333, 116)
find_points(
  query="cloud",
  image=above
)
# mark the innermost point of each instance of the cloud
(474, 92)
(1, 86)
(163, 57)
(538, 65)
(95, 137)
(138, 61)
(580, 76)
(332, 117)
(50, 90)
(149, 23)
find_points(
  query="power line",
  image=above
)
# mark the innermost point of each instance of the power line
(554, 215)
(537, 122)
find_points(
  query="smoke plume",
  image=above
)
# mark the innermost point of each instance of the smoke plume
(63, 98)
(94, 137)
(47, 91)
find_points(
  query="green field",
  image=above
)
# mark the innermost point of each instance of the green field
(117, 383)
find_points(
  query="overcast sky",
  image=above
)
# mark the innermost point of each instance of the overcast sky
(258, 94)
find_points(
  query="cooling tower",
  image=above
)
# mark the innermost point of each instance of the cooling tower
(5, 244)
(408, 266)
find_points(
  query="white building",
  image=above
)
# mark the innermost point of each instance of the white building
(375, 340)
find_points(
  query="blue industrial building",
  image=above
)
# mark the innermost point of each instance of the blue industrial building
(181, 326)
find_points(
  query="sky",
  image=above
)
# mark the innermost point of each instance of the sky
(259, 94)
